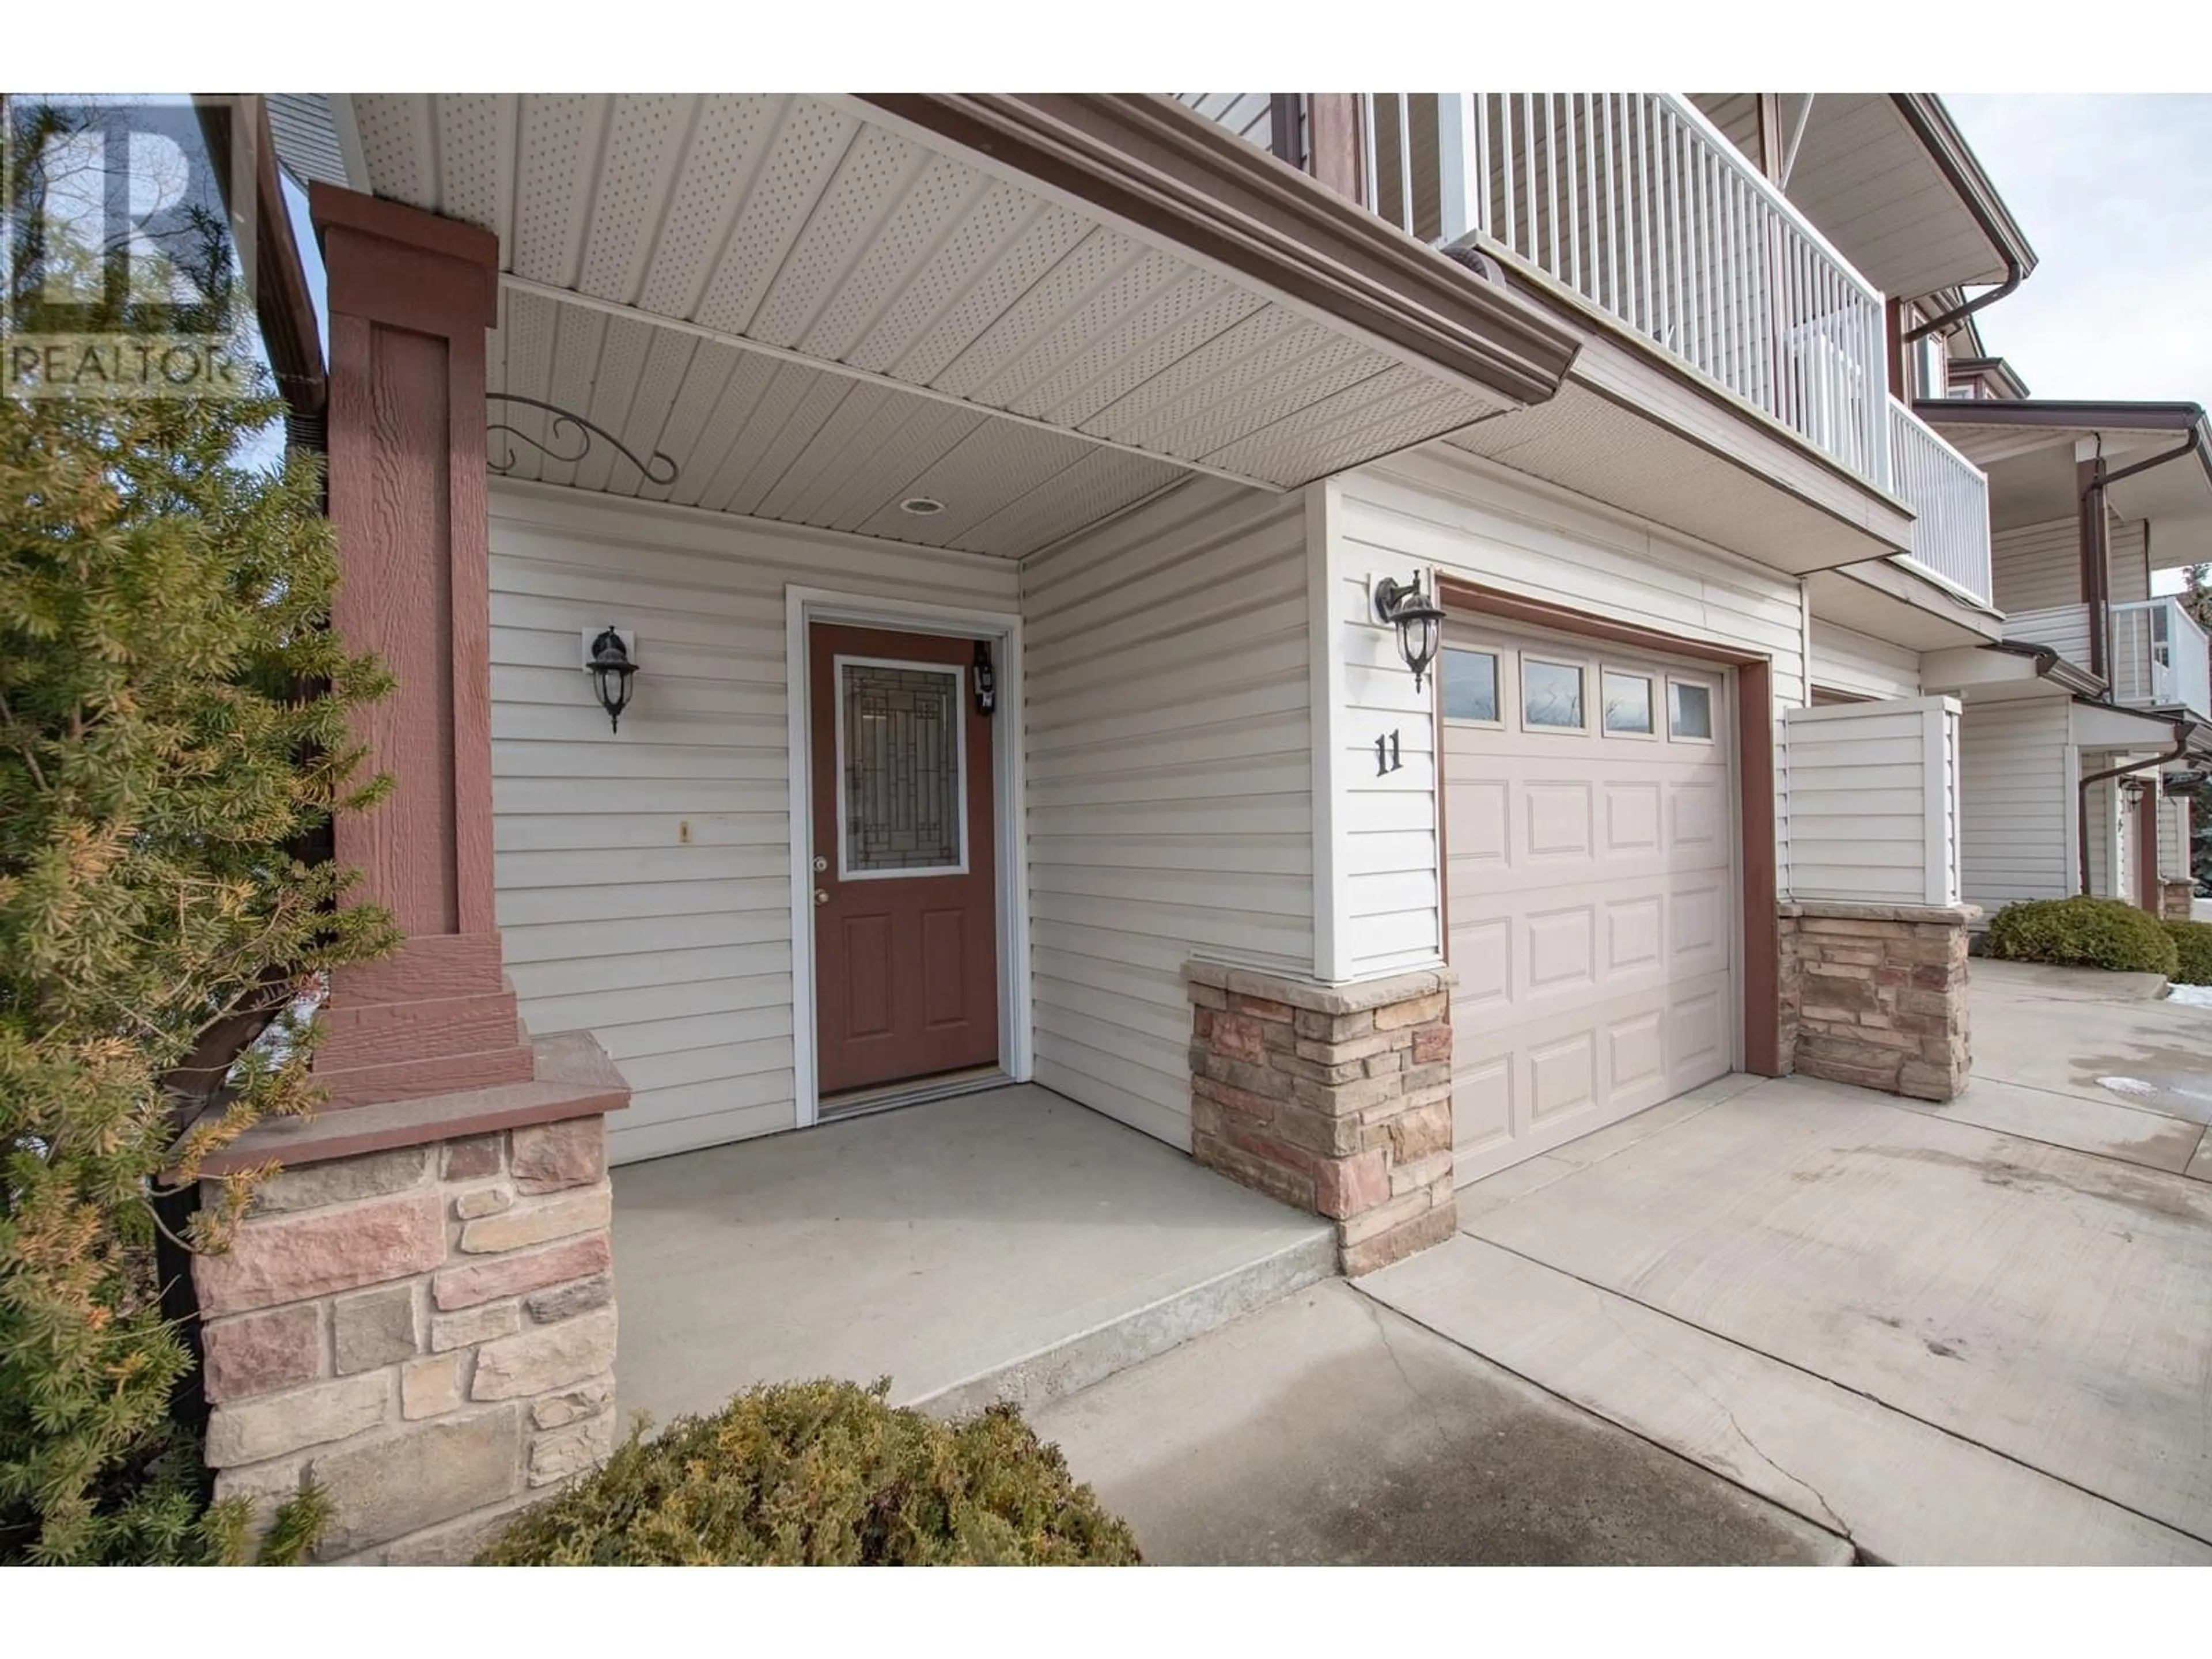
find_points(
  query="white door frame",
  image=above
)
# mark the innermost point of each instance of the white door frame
(804, 606)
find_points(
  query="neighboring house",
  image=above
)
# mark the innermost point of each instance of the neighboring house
(2080, 725)
(995, 494)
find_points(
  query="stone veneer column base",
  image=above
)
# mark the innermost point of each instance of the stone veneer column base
(2176, 900)
(1333, 1098)
(1875, 995)
(420, 1315)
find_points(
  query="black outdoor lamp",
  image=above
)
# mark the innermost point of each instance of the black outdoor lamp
(611, 669)
(1419, 619)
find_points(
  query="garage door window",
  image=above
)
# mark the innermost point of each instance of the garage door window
(1627, 704)
(1470, 680)
(1689, 711)
(1551, 695)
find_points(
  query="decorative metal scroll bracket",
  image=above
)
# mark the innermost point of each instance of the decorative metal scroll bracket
(661, 469)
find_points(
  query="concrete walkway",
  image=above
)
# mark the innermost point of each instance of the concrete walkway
(1981, 1333)
(1327, 1430)
(1002, 1245)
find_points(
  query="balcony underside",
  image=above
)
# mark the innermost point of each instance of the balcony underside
(1656, 441)
(1890, 601)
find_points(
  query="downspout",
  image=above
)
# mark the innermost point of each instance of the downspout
(2013, 277)
(2099, 602)
(2184, 729)
(2014, 273)
(2194, 443)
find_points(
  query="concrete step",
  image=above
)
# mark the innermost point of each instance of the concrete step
(1127, 1338)
(1004, 1245)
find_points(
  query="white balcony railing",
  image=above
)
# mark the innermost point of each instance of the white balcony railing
(1639, 204)
(1949, 496)
(2159, 657)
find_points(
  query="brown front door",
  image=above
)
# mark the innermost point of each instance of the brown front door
(906, 952)
(2146, 825)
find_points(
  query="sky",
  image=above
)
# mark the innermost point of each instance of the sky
(2114, 197)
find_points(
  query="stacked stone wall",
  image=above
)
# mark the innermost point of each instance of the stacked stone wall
(428, 1333)
(1876, 995)
(1335, 1099)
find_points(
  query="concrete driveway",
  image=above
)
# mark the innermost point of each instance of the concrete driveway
(1981, 1333)
(1771, 1321)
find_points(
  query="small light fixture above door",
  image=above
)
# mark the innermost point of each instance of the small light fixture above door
(1419, 619)
(610, 659)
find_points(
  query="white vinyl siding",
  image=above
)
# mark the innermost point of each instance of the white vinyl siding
(2108, 850)
(1862, 668)
(2039, 566)
(644, 878)
(1426, 511)
(2173, 862)
(1170, 807)
(2016, 801)
(2063, 627)
(1873, 802)
(2130, 550)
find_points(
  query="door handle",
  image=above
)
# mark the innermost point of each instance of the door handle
(821, 896)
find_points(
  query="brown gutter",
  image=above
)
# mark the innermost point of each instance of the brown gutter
(2080, 415)
(2050, 665)
(1947, 147)
(2183, 731)
(1149, 160)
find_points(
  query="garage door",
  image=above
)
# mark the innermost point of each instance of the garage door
(1588, 838)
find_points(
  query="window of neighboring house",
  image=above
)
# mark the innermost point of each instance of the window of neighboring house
(1929, 363)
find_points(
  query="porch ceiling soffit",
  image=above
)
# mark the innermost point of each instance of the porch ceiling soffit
(1644, 439)
(1875, 172)
(778, 291)
(2028, 448)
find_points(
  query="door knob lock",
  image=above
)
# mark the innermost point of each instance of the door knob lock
(821, 896)
(820, 864)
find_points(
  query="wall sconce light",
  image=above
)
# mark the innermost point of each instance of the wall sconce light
(610, 659)
(986, 680)
(1419, 619)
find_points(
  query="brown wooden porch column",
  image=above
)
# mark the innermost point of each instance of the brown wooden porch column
(410, 297)
(420, 1315)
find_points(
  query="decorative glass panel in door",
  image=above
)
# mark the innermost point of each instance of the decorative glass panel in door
(900, 770)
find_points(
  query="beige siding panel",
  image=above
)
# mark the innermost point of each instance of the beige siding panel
(2130, 549)
(2017, 793)
(2108, 848)
(2064, 627)
(1170, 806)
(1853, 663)
(2037, 566)
(2173, 849)
(1873, 802)
(644, 878)
(1430, 510)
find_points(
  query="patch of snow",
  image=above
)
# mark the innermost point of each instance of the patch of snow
(2127, 1085)
(2195, 996)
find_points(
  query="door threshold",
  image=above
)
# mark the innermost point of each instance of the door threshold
(913, 1091)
